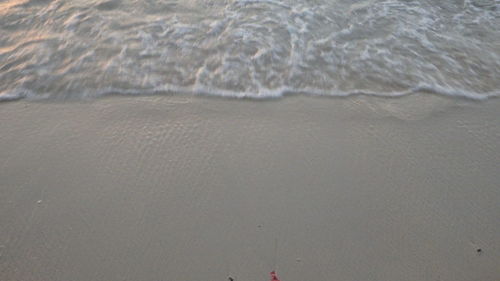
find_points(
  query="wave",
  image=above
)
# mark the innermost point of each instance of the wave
(63, 49)
(261, 95)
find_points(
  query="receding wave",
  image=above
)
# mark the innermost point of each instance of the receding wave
(57, 49)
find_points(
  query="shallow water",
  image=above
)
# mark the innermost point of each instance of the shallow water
(62, 49)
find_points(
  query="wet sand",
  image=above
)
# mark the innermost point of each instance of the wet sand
(190, 188)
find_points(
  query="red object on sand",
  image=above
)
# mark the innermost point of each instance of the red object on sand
(274, 277)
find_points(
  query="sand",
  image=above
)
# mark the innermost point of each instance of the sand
(192, 188)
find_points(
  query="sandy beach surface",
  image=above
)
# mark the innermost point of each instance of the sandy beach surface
(199, 189)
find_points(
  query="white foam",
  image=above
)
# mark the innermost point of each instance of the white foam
(261, 94)
(253, 49)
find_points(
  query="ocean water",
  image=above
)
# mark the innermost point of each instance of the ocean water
(74, 49)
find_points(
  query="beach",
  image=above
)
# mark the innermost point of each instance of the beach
(182, 187)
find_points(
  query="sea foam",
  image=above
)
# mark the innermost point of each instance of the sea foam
(249, 48)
